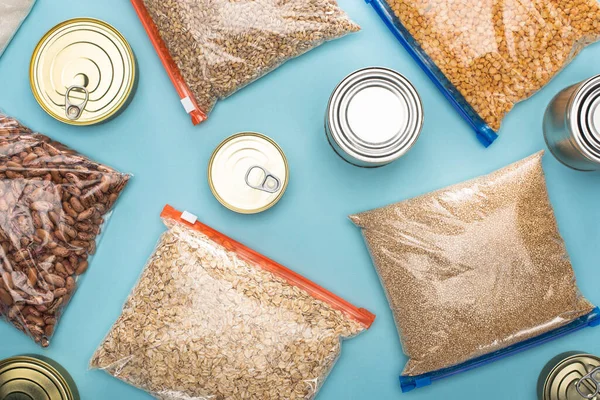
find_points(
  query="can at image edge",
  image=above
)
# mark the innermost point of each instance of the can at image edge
(558, 364)
(31, 373)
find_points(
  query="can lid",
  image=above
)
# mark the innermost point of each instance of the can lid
(248, 173)
(375, 115)
(572, 378)
(82, 71)
(31, 378)
(586, 118)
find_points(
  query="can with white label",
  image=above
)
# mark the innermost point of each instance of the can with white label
(248, 173)
(572, 125)
(374, 117)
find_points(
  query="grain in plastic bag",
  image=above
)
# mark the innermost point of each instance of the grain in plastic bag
(54, 203)
(12, 15)
(475, 272)
(212, 48)
(488, 55)
(212, 319)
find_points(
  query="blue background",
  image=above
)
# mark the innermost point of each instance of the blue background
(308, 230)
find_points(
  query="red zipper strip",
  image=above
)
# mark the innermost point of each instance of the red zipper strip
(165, 57)
(359, 314)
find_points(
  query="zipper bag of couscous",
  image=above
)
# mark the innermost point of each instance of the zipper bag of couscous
(475, 272)
(211, 318)
(487, 55)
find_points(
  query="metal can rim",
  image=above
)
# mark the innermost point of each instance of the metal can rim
(555, 364)
(411, 139)
(573, 116)
(130, 86)
(210, 167)
(65, 379)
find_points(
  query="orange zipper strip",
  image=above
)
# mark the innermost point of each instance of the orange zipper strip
(182, 88)
(359, 314)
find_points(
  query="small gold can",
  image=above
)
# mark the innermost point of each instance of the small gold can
(248, 173)
(83, 72)
(35, 377)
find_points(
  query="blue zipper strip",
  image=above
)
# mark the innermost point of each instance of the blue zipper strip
(485, 134)
(409, 383)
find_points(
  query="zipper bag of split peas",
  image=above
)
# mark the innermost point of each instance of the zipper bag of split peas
(54, 203)
(212, 48)
(487, 55)
(12, 15)
(212, 319)
(475, 272)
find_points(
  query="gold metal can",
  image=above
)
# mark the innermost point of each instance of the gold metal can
(35, 377)
(248, 173)
(570, 376)
(83, 72)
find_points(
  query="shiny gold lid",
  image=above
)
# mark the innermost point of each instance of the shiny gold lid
(570, 376)
(35, 378)
(82, 72)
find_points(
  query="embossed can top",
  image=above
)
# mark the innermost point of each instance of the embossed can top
(570, 376)
(248, 173)
(35, 378)
(83, 72)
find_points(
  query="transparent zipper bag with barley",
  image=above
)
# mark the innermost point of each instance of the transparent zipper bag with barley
(212, 48)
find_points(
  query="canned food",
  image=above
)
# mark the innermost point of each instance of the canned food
(35, 378)
(248, 173)
(570, 376)
(572, 125)
(83, 72)
(374, 116)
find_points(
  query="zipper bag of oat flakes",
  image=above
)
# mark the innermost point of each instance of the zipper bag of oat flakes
(12, 15)
(212, 319)
(475, 272)
(212, 48)
(54, 203)
(487, 55)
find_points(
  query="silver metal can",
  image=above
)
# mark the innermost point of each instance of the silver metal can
(570, 376)
(572, 125)
(374, 116)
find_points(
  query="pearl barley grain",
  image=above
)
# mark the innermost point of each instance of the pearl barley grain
(221, 46)
(473, 268)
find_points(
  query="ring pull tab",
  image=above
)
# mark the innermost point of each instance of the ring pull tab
(270, 183)
(591, 381)
(74, 111)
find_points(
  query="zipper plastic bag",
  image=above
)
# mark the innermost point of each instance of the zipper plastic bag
(12, 15)
(475, 272)
(212, 48)
(212, 319)
(54, 203)
(487, 55)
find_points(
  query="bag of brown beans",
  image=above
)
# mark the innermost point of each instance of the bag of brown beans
(212, 48)
(53, 205)
(488, 55)
(475, 272)
(212, 319)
